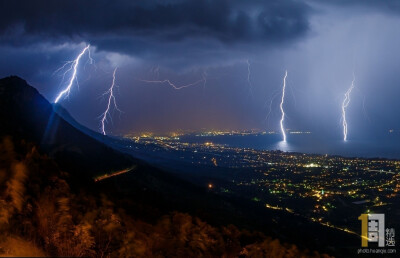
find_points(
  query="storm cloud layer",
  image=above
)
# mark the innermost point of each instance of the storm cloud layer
(156, 29)
(226, 21)
(236, 45)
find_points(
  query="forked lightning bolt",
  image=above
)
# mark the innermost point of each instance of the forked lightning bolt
(111, 98)
(175, 86)
(281, 107)
(345, 104)
(157, 71)
(204, 75)
(74, 68)
(270, 101)
(248, 78)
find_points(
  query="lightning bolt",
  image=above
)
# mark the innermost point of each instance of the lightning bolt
(365, 110)
(174, 86)
(204, 75)
(281, 107)
(345, 104)
(73, 67)
(270, 101)
(157, 71)
(248, 78)
(111, 98)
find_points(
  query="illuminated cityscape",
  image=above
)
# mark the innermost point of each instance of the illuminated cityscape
(199, 128)
(329, 190)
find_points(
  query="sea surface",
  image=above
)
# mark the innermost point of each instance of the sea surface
(386, 147)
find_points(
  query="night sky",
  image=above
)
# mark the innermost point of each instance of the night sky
(320, 44)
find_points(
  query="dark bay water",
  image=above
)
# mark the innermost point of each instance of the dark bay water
(386, 147)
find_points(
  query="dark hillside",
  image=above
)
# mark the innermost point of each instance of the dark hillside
(25, 114)
(51, 205)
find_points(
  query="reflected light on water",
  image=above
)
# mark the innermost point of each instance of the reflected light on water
(283, 146)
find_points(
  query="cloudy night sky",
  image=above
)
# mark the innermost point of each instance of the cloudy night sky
(320, 43)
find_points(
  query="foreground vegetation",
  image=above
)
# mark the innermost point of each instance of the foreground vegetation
(48, 212)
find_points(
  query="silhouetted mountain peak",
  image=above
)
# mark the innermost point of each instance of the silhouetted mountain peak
(27, 115)
(13, 80)
(17, 87)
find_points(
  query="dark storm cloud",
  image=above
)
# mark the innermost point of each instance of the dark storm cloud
(387, 6)
(320, 43)
(131, 25)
